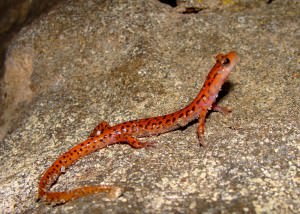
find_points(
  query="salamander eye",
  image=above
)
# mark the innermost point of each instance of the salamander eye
(225, 62)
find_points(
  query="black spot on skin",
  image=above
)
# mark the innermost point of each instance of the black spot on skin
(164, 117)
(82, 144)
(174, 119)
(199, 100)
(181, 115)
(148, 124)
(160, 122)
(216, 74)
(168, 121)
(187, 113)
(193, 108)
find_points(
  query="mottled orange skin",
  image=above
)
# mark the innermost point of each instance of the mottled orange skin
(104, 135)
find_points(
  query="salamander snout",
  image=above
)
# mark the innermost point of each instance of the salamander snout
(228, 60)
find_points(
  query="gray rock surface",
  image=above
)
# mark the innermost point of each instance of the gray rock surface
(116, 60)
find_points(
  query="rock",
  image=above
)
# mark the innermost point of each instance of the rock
(121, 60)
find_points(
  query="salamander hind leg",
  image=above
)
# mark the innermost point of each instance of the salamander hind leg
(200, 130)
(99, 129)
(135, 143)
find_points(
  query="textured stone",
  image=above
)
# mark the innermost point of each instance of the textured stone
(122, 60)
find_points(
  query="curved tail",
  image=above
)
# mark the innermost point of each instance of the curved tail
(63, 197)
(62, 163)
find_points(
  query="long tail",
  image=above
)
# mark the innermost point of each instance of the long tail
(62, 163)
(63, 197)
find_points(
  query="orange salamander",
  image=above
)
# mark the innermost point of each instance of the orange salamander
(128, 132)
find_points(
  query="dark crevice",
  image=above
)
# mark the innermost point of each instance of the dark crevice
(186, 10)
(189, 10)
(11, 16)
(172, 3)
(36, 9)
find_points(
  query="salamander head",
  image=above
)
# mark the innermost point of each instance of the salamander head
(228, 61)
(225, 63)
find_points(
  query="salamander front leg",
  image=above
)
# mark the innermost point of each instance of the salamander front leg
(221, 109)
(99, 129)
